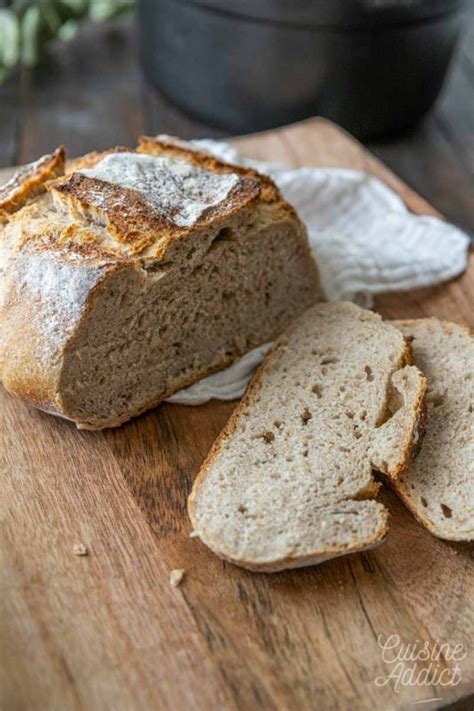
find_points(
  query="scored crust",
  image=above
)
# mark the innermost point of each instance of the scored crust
(132, 221)
(123, 221)
(172, 146)
(29, 181)
(59, 228)
(64, 208)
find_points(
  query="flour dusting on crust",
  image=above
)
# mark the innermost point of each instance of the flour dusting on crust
(59, 287)
(178, 190)
(14, 184)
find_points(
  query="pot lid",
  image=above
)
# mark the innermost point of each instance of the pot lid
(348, 13)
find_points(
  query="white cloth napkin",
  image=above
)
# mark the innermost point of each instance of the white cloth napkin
(364, 239)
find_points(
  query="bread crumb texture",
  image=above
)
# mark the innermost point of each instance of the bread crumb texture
(80, 549)
(439, 485)
(177, 577)
(139, 272)
(289, 482)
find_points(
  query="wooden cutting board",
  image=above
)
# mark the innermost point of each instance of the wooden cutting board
(106, 630)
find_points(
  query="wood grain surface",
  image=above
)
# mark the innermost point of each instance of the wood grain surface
(107, 631)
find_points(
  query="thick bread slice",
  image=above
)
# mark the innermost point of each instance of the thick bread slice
(289, 483)
(139, 272)
(438, 487)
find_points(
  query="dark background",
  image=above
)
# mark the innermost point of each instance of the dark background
(90, 94)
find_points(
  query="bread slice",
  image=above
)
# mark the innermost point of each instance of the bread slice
(438, 487)
(289, 483)
(138, 272)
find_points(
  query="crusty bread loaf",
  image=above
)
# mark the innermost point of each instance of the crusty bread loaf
(289, 481)
(139, 272)
(438, 487)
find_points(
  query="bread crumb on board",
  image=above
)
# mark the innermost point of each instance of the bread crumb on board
(80, 549)
(176, 577)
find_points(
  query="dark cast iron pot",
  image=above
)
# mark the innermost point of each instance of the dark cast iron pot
(373, 66)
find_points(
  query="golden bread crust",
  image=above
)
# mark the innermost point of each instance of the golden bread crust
(29, 181)
(66, 233)
(173, 147)
(83, 213)
(132, 221)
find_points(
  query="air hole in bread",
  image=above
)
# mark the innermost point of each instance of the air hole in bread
(368, 373)
(242, 509)
(305, 416)
(317, 390)
(393, 404)
(191, 253)
(277, 424)
(469, 409)
(424, 502)
(226, 234)
(267, 437)
(329, 361)
(436, 399)
(447, 512)
(154, 267)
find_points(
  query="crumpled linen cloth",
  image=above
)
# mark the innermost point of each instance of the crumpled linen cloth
(364, 239)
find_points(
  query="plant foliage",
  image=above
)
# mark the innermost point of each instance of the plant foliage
(28, 26)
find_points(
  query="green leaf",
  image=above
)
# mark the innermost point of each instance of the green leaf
(30, 35)
(73, 9)
(68, 30)
(101, 10)
(27, 26)
(9, 40)
(50, 19)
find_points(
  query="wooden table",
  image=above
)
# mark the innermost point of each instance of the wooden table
(90, 94)
(107, 631)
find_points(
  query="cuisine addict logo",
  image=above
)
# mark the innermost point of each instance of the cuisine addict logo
(430, 663)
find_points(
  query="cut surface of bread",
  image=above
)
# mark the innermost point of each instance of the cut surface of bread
(138, 272)
(438, 487)
(289, 481)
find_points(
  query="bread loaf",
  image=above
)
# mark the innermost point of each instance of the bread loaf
(138, 272)
(289, 481)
